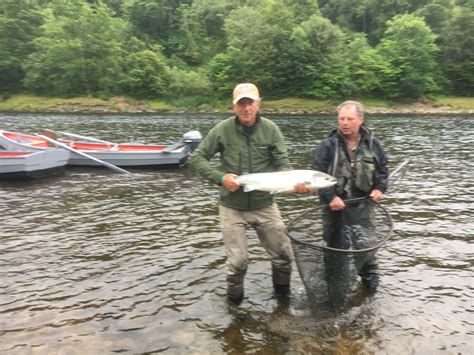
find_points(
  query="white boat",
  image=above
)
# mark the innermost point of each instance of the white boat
(14, 164)
(123, 154)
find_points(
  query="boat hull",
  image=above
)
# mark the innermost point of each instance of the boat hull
(131, 159)
(125, 155)
(32, 164)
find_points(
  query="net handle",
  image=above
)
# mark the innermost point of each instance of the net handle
(323, 247)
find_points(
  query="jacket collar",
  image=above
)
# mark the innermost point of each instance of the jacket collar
(247, 130)
(257, 121)
(364, 133)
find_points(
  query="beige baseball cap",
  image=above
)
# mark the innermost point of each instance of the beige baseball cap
(247, 90)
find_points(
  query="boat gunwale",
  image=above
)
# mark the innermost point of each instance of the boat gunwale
(41, 144)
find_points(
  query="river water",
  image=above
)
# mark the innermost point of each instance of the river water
(95, 262)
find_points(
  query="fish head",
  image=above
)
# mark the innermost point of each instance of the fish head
(321, 180)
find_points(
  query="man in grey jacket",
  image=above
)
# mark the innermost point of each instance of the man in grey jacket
(357, 159)
(247, 143)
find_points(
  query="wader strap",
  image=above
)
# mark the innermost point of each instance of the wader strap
(336, 159)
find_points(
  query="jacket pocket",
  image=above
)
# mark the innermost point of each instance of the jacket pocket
(231, 159)
(262, 156)
(365, 176)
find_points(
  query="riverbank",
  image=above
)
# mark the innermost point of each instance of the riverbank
(290, 106)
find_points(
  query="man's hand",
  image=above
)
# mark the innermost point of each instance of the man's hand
(337, 204)
(376, 195)
(302, 188)
(230, 183)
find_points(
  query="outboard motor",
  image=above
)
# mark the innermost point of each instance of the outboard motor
(192, 139)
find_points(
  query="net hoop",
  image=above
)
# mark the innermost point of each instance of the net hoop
(382, 209)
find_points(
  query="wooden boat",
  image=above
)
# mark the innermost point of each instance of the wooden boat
(127, 155)
(32, 164)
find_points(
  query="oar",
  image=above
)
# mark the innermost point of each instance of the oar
(81, 137)
(62, 145)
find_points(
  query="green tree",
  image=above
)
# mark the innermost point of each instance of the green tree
(117, 6)
(146, 75)
(79, 51)
(314, 68)
(367, 16)
(303, 9)
(306, 48)
(153, 18)
(221, 72)
(409, 46)
(256, 37)
(437, 14)
(189, 86)
(19, 25)
(457, 44)
(465, 3)
(358, 69)
(188, 42)
(199, 33)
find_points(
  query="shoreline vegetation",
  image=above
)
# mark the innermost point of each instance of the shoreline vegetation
(288, 106)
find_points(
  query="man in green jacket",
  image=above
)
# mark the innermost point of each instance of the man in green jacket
(247, 143)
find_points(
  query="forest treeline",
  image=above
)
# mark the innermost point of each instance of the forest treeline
(194, 51)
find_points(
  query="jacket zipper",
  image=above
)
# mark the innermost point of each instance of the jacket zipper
(249, 166)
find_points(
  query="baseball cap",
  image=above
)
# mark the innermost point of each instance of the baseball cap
(247, 90)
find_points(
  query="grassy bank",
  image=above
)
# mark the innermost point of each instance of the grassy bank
(29, 103)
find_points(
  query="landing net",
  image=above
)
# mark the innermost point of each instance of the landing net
(331, 247)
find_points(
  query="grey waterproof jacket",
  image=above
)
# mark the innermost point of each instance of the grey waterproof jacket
(367, 173)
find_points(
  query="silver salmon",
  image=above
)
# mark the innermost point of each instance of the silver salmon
(285, 181)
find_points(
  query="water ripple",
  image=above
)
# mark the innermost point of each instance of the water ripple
(97, 262)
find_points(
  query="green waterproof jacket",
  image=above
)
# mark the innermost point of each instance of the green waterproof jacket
(242, 151)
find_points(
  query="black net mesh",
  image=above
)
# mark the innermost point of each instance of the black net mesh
(331, 249)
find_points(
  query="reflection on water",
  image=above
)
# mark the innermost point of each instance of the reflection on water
(97, 262)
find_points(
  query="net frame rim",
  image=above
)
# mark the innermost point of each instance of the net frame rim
(351, 251)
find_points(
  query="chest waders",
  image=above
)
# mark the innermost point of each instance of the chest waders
(354, 172)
